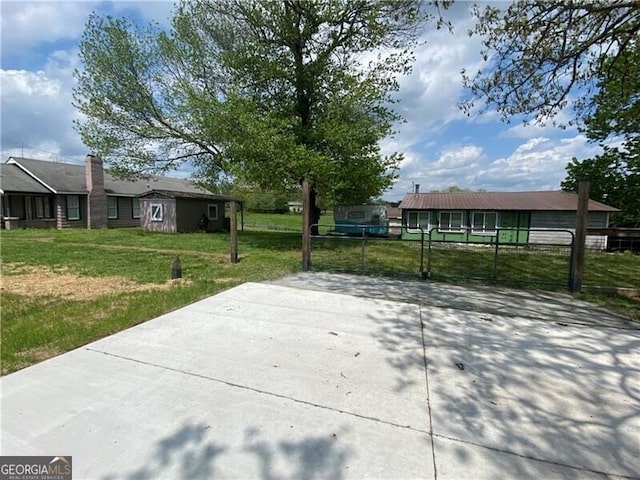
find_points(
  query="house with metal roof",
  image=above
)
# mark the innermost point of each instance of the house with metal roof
(518, 218)
(39, 194)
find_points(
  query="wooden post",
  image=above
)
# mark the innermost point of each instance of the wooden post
(176, 268)
(306, 228)
(577, 253)
(233, 231)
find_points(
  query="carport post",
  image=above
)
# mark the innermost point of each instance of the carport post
(578, 250)
(233, 230)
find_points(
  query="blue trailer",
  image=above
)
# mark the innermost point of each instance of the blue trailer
(354, 219)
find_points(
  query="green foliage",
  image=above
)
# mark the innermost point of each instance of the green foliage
(612, 181)
(267, 92)
(614, 175)
(457, 189)
(617, 103)
(540, 55)
(266, 202)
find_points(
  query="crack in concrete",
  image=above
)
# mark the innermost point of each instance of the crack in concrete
(530, 457)
(261, 392)
(426, 379)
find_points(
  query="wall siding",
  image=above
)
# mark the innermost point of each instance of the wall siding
(125, 214)
(168, 223)
(189, 212)
(565, 221)
(548, 220)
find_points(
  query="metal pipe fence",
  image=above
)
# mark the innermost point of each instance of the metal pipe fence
(427, 255)
(363, 252)
(503, 257)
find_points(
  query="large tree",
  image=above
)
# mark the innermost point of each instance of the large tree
(544, 55)
(580, 58)
(269, 92)
(613, 181)
(615, 122)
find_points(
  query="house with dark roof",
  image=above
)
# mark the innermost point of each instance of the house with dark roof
(40, 194)
(518, 218)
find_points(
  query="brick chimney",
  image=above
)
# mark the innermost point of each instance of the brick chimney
(97, 198)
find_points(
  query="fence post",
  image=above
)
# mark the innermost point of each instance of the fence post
(578, 250)
(306, 228)
(422, 274)
(233, 230)
(495, 256)
(362, 252)
(429, 255)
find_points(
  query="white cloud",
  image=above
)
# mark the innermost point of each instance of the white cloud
(429, 97)
(451, 167)
(36, 109)
(537, 164)
(28, 24)
(36, 103)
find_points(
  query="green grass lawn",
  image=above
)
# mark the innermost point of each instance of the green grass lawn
(63, 289)
(37, 325)
(286, 221)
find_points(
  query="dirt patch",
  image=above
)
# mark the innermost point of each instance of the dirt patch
(43, 281)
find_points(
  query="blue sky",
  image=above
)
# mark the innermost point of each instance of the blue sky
(442, 146)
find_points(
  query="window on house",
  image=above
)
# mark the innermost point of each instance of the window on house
(484, 223)
(42, 207)
(73, 207)
(212, 211)
(156, 212)
(418, 219)
(112, 207)
(450, 222)
(135, 208)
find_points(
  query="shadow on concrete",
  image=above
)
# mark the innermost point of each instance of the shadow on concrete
(568, 395)
(533, 304)
(193, 452)
(565, 394)
(551, 396)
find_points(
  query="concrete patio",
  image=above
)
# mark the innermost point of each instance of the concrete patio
(337, 376)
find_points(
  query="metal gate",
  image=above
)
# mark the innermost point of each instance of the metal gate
(538, 256)
(508, 256)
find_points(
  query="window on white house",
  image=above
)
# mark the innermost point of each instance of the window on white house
(212, 211)
(450, 222)
(418, 219)
(484, 223)
(112, 207)
(73, 207)
(156, 212)
(135, 208)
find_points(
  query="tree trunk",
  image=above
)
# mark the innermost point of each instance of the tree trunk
(314, 217)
